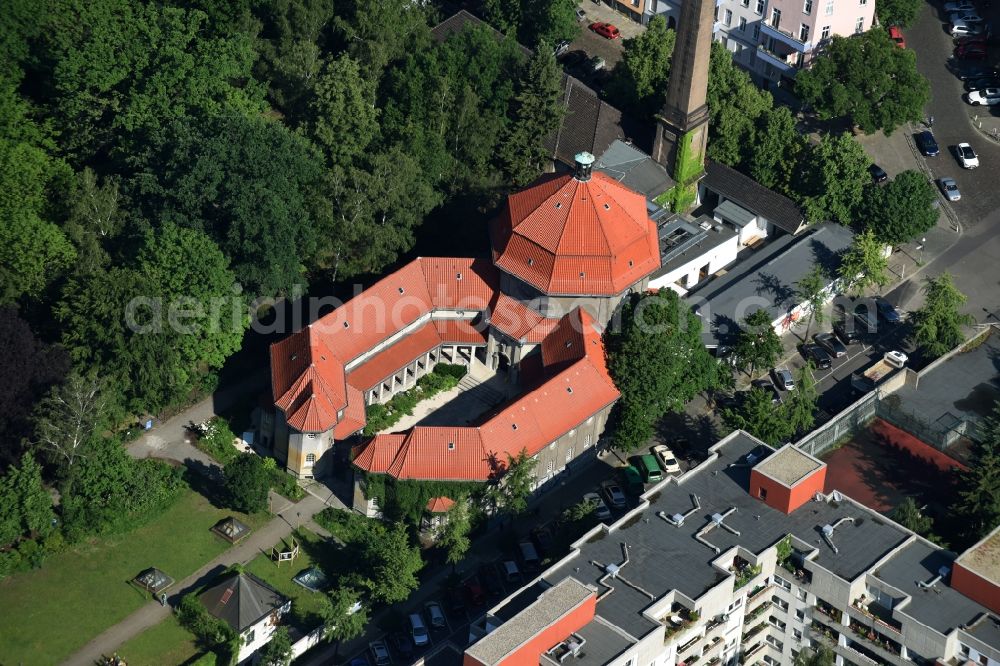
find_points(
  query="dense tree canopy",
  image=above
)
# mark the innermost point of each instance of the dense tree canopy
(898, 12)
(639, 80)
(900, 210)
(248, 483)
(978, 507)
(864, 264)
(833, 179)
(937, 325)
(757, 346)
(868, 80)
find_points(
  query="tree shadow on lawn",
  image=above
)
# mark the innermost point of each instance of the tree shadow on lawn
(207, 481)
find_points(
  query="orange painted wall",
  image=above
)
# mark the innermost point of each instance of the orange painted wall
(529, 653)
(784, 499)
(975, 587)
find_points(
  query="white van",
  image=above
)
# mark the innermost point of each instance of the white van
(419, 630)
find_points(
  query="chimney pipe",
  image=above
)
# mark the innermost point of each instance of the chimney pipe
(584, 164)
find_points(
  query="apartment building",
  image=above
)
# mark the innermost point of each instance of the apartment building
(745, 559)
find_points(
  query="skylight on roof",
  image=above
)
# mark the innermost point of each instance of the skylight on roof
(513, 426)
(569, 389)
(401, 290)
(347, 324)
(558, 204)
(458, 276)
(531, 262)
(451, 446)
(607, 207)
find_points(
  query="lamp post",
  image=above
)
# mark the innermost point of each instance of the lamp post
(921, 248)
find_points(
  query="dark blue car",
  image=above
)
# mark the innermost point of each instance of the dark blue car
(927, 145)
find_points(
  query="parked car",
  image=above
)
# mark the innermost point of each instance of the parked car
(359, 661)
(418, 630)
(601, 510)
(542, 536)
(982, 82)
(927, 144)
(976, 72)
(963, 29)
(846, 332)
(402, 644)
(529, 556)
(632, 480)
(510, 571)
(596, 64)
(867, 321)
(967, 16)
(667, 459)
(490, 577)
(474, 591)
(456, 600)
(783, 378)
(973, 39)
(574, 58)
(615, 495)
(560, 48)
(896, 35)
(886, 311)
(967, 156)
(960, 6)
(950, 189)
(971, 52)
(606, 30)
(380, 653)
(831, 344)
(987, 96)
(435, 616)
(879, 175)
(767, 387)
(817, 355)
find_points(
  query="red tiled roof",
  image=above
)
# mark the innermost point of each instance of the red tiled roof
(519, 321)
(457, 284)
(578, 387)
(440, 504)
(354, 416)
(461, 331)
(394, 357)
(377, 455)
(566, 236)
(307, 381)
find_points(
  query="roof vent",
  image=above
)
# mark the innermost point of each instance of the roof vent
(717, 518)
(531, 262)
(828, 531)
(451, 446)
(612, 570)
(630, 263)
(347, 324)
(678, 518)
(607, 207)
(569, 389)
(568, 344)
(458, 276)
(582, 273)
(294, 356)
(513, 426)
(584, 165)
(401, 290)
(751, 458)
(558, 205)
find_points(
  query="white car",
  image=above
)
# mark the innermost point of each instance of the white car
(666, 457)
(960, 6)
(987, 96)
(601, 510)
(967, 156)
(966, 17)
(950, 189)
(963, 29)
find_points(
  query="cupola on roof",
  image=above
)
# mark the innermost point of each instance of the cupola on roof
(580, 234)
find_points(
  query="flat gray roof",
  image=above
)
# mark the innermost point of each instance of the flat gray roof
(682, 240)
(735, 213)
(547, 609)
(766, 280)
(939, 607)
(602, 644)
(788, 465)
(634, 169)
(664, 558)
(964, 388)
(987, 629)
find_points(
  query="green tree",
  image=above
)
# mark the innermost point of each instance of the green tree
(512, 483)
(868, 80)
(978, 505)
(343, 118)
(247, 483)
(864, 264)
(27, 505)
(536, 113)
(278, 651)
(776, 150)
(639, 79)
(391, 563)
(898, 12)
(377, 38)
(454, 538)
(66, 420)
(95, 218)
(757, 345)
(119, 69)
(901, 210)
(820, 656)
(799, 409)
(549, 22)
(908, 514)
(833, 178)
(811, 292)
(757, 415)
(344, 616)
(938, 324)
(290, 53)
(736, 105)
(504, 15)
(580, 511)
(33, 250)
(658, 362)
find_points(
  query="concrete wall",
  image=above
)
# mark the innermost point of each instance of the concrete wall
(261, 633)
(976, 587)
(553, 458)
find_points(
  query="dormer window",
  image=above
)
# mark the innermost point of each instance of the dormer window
(569, 389)
(531, 262)
(607, 207)
(581, 274)
(630, 263)
(558, 205)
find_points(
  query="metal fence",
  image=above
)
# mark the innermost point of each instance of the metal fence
(848, 422)
(940, 434)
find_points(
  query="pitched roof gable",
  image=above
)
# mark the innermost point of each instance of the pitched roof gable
(751, 195)
(242, 600)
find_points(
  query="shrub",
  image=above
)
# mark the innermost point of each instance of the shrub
(347, 526)
(215, 438)
(455, 370)
(211, 632)
(445, 376)
(247, 483)
(285, 484)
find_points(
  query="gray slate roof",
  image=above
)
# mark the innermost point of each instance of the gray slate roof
(766, 280)
(748, 193)
(634, 169)
(241, 600)
(719, 485)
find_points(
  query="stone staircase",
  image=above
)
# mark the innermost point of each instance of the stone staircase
(488, 395)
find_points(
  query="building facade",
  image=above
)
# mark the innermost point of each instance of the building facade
(748, 558)
(566, 251)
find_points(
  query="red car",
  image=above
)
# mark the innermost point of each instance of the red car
(971, 52)
(896, 35)
(605, 30)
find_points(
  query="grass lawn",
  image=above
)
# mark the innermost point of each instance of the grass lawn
(166, 644)
(306, 605)
(53, 611)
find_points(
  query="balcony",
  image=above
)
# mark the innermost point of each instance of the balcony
(756, 614)
(678, 620)
(745, 572)
(758, 593)
(784, 63)
(876, 646)
(873, 612)
(748, 655)
(785, 38)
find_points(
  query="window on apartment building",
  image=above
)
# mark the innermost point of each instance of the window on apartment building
(310, 458)
(825, 32)
(760, 7)
(859, 27)
(775, 18)
(778, 645)
(781, 582)
(803, 33)
(771, 661)
(756, 30)
(743, 24)
(586, 441)
(796, 634)
(762, 493)
(780, 603)
(550, 466)
(716, 14)
(569, 454)
(736, 604)
(800, 615)
(745, 3)
(807, 7)
(829, 7)
(729, 17)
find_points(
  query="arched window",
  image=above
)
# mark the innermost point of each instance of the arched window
(310, 458)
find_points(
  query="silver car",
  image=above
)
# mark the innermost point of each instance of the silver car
(950, 189)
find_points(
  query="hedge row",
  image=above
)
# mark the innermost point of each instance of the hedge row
(445, 376)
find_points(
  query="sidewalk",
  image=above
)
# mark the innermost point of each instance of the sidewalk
(291, 517)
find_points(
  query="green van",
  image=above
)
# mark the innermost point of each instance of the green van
(631, 480)
(648, 468)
